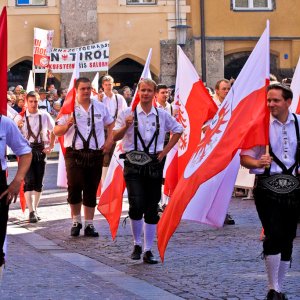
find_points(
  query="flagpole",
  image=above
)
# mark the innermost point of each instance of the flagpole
(46, 77)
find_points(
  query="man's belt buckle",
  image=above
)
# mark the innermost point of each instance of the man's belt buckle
(138, 158)
(281, 183)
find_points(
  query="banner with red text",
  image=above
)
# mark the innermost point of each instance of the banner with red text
(92, 58)
(42, 46)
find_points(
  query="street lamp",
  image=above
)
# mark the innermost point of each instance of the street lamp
(181, 31)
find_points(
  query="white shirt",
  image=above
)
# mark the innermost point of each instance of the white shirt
(168, 108)
(283, 140)
(147, 127)
(11, 136)
(45, 103)
(111, 104)
(47, 125)
(84, 124)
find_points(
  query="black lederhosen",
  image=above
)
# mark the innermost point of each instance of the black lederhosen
(278, 212)
(108, 156)
(83, 179)
(3, 215)
(144, 183)
(33, 180)
(84, 169)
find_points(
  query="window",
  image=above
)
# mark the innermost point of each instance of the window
(31, 2)
(133, 2)
(252, 4)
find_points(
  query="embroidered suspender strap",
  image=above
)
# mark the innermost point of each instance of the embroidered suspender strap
(86, 143)
(154, 137)
(30, 132)
(117, 108)
(93, 131)
(297, 156)
(280, 163)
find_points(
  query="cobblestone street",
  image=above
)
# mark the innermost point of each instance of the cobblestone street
(201, 262)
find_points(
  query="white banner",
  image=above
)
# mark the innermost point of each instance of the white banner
(42, 46)
(92, 58)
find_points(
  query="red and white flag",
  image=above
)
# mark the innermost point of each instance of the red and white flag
(195, 107)
(295, 86)
(241, 122)
(110, 203)
(111, 199)
(3, 62)
(67, 108)
(42, 47)
(95, 86)
(145, 74)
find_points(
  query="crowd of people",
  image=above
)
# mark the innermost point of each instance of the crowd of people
(148, 131)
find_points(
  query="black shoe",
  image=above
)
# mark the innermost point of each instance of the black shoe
(38, 217)
(90, 230)
(273, 295)
(33, 217)
(284, 296)
(136, 253)
(228, 220)
(148, 258)
(75, 230)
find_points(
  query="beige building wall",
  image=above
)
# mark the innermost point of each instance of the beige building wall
(132, 30)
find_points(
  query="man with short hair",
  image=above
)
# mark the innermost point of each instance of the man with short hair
(277, 188)
(115, 103)
(143, 133)
(85, 146)
(37, 127)
(11, 137)
(222, 88)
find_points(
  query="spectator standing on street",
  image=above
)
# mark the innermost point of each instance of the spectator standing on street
(85, 145)
(127, 94)
(277, 189)
(162, 96)
(143, 134)
(43, 101)
(37, 127)
(115, 103)
(10, 136)
(221, 90)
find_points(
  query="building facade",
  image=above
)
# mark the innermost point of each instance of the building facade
(220, 34)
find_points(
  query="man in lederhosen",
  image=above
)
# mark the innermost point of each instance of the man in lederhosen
(277, 188)
(85, 145)
(143, 133)
(37, 127)
(115, 103)
(162, 95)
(10, 135)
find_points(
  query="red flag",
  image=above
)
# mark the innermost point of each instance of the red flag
(3, 62)
(110, 202)
(241, 122)
(295, 86)
(195, 107)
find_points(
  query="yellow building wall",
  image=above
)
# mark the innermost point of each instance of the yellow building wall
(221, 21)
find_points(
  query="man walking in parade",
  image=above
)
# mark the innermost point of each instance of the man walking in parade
(10, 135)
(85, 146)
(143, 133)
(115, 103)
(277, 187)
(37, 127)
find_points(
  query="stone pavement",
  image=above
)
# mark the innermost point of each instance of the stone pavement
(201, 262)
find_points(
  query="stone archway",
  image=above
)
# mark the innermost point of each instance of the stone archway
(233, 64)
(127, 72)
